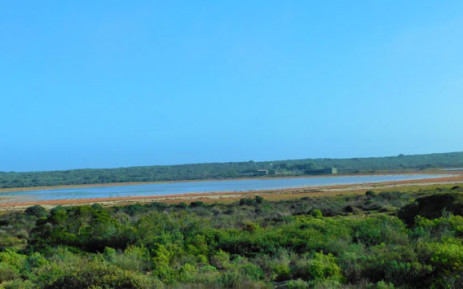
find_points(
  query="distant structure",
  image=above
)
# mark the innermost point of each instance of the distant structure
(325, 171)
(262, 172)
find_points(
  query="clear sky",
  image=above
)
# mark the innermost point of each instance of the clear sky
(92, 84)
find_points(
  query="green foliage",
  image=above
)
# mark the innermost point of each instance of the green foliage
(161, 264)
(12, 258)
(248, 202)
(374, 231)
(317, 213)
(8, 272)
(397, 264)
(432, 207)
(181, 205)
(297, 284)
(197, 204)
(18, 284)
(85, 227)
(247, 244)
(11, 242)
(259, 200)
(324, 267)
(381, 285)
(241, 271)
(370, 193)
(36, 211)
(133, 258)
(220, 259)
(100, 275)
(447, 255)
(282, 271)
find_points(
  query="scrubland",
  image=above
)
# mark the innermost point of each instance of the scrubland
(387, 239)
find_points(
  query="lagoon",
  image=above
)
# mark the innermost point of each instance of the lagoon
(188, 187)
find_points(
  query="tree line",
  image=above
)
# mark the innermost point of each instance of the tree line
(228, 170)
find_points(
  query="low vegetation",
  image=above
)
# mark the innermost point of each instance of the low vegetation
(376, 240)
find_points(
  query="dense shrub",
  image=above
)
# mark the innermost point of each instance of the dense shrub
(309, 242)
(323, 267)
(100, 275)
(432, 207)
(36, 211)
(197, 204)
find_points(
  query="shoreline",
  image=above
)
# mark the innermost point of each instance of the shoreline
(314, 191)
(43, 188)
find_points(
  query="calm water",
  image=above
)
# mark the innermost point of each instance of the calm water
(160, 189)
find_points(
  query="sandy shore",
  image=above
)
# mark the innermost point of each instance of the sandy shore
(231, 196)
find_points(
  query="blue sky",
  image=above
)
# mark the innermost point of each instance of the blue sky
(92, 84)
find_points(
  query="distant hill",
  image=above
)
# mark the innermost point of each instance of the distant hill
(230, 170)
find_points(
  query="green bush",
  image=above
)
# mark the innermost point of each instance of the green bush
(18, 284)
(324, 267)
(447, 256)
(12, 258)
(382, 285)
(297, 284)
(196, 204)
(36, 211)
(432, 207)
(247, 202)
(370, 193)
(220, 260)
(373, 231)
(8, 272)
(282, 271)
(133, 258)
(100, 275)
(317, 213)
(239, 273)
(11, 242)
(239, 245)
(181, 205)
